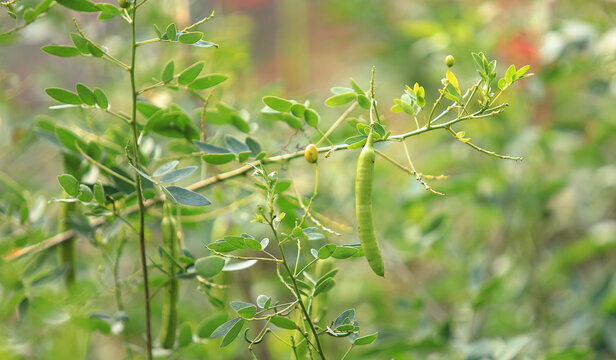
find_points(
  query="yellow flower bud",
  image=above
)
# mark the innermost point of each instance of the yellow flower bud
(311, 154)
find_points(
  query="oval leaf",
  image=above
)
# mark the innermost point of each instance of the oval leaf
(64, 96)
(61, 51)
(190, 37)
(208, 267)
(283, 322)
(191, 73)
(177, 175)
(365, 340)
(187, 197)
(277, 103)
(207, 81)
(69, 184)
(341, 99)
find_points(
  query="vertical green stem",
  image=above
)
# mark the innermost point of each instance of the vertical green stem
(133, 124)
(298, 294)
(66, 250)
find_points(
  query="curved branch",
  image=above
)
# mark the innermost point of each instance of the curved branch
(206, 183)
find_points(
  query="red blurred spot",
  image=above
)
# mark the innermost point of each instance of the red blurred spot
(519, 49)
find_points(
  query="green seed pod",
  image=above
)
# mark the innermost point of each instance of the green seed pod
(169, 315)
(450, 61)
(123, 3)
(311, 154)
(363, 207)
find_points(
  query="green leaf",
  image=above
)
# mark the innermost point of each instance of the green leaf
(223, 329)
(101, 98)
(177, 175)
(165, 168)
(202, 43)
(263, 301)
(190, 73)
(208, 267)
(80, 43)
(378, 128)
(95, 50)
(356, 87)
(521, 72)
(253, 244)
(406, 107)
(510, 74)
(244, 309)
(363, 101)
(253, 145)
(109, 9)
(210, 149)
(61, 51)
(207, 81)
(337, 90)
(298, 109)
(218, 159)
(235, 145)
(238, 242)
(341, 99)
(207, 326)
(240, 123)
(312, 118)
(356, 142)
(326, 276)
(99, 193)
(79, 5)
(221, 246)
(324, 287)
(366, 340)
(214, 154)
(175, 123)
(86, 95)
(29, 15)
(69, 184)
(346, 317)
(502, 84)
(64, 96)
(187, 197)
(190, 37)
(282, 185)
(69, 140)
(185, 335)
(326, 251)
(232, 333)
(85, 194)
(171, 32)
(344, 252)
(237, 266)
(283, 322)
(167, 73)
(277, 103)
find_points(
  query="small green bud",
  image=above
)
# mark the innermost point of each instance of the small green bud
(311, 154)
(123, 3)
(450, 61)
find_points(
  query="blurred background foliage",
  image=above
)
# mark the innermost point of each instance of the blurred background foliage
(515, 262)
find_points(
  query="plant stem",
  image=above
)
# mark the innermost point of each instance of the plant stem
(347, 352)
(298, 294)
(142, 209)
